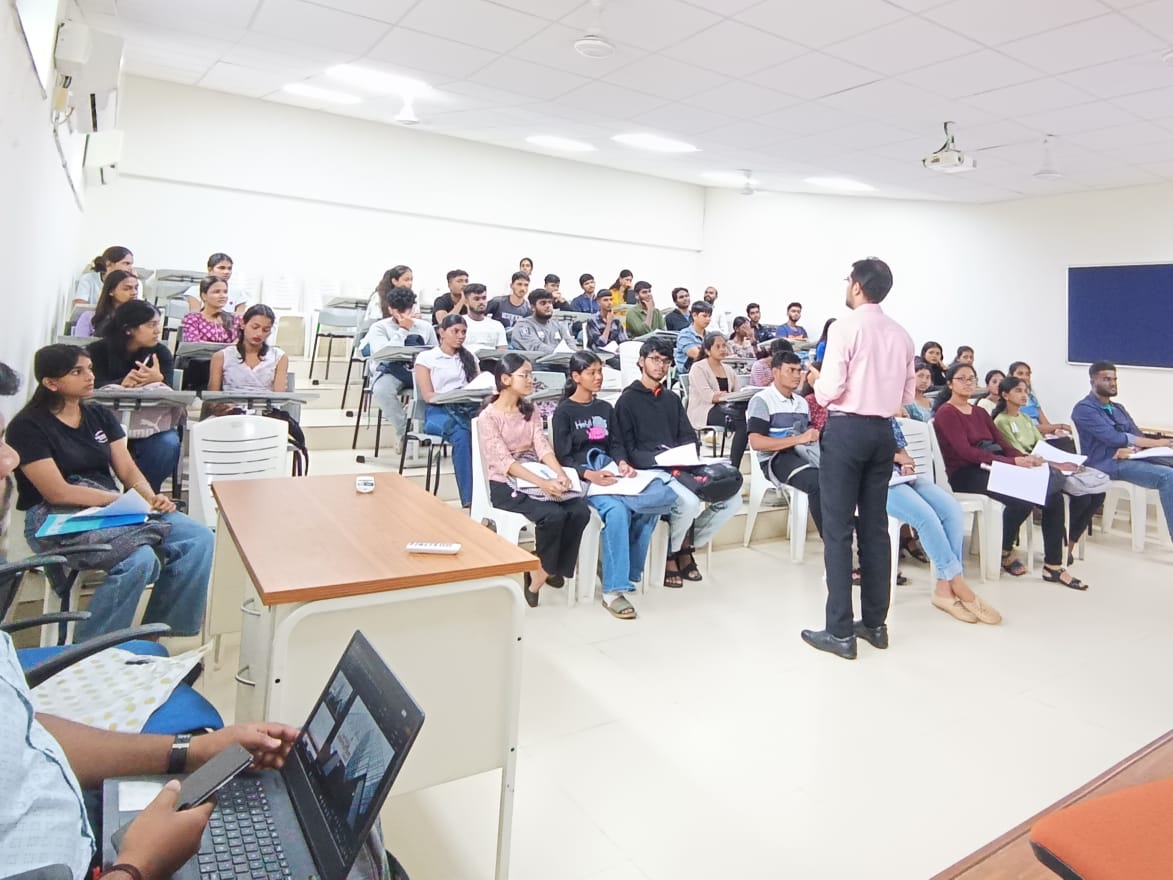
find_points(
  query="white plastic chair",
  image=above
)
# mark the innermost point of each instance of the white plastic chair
(797, 501)
(233, 448)
(588, 558)
(986, 536)
(629, 361)
(1138, 498)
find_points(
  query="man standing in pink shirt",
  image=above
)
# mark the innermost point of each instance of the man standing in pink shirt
(867, 376)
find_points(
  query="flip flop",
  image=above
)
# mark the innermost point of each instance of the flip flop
(673, 579)
(621, 608)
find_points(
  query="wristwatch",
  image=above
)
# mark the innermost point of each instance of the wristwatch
(178, 759)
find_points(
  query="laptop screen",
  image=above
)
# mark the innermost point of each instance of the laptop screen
(348, 754)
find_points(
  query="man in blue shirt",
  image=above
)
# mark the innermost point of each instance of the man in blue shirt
(1109, 437)
(585, 302)
(761, 332)
(791, 329)
(691, 339)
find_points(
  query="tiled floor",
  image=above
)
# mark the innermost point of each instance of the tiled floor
(704, 740)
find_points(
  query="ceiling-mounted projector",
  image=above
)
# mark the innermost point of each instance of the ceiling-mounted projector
(948, 159)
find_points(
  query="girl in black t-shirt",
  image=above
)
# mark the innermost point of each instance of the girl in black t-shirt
(61, 439)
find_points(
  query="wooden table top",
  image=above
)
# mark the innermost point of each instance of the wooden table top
(1010, 856)
(303, 539)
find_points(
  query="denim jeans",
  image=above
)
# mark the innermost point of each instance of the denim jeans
(385, 393)
(625, 541)
(938, 520)
(156, 456)
(179, 568)
(690, 512)
(439, 420)
(1152, 476)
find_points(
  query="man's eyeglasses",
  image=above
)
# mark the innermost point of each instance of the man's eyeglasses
(657, 359)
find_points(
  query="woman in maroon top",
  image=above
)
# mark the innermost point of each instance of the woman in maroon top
(969, 439)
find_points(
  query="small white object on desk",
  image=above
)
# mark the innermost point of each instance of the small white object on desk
(364, 485)
(433, 548)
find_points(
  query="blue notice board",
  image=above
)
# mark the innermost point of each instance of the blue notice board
(1122, 314)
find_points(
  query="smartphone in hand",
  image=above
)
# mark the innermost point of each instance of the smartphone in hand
(213, 776)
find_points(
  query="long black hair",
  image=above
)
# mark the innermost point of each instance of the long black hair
(826, 330)
(580, 362)
(260, 310)
(106, 305)
(1008, 384)
(623, 273)
(389, 278)
(52, 362)
(507, 366)
(950, 375)
(131, 314)
(226, 316)
(471, 367)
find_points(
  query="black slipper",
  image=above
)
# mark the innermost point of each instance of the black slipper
(531, 597)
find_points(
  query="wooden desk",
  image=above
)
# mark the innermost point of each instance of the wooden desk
(1010, 857)
(301, 563)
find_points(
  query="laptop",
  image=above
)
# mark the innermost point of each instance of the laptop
(311, 818)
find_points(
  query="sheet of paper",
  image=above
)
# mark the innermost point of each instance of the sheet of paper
(611, 347)
(623, 485)
(483, 380)
(1057, 456)
(680, 456)
(1155, 452)
(127, 503)
(563, 348)
(1027, 483)
(898, 479)
(545, 472)
(136, 795)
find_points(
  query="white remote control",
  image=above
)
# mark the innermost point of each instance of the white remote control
(437, 549)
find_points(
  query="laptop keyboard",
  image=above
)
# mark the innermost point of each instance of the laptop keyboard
(242, 842)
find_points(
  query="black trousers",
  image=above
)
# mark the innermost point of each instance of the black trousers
(558, 526)
(975, 479)
(1083, 508)
(854, 469)
(785, 467)
(733, 418)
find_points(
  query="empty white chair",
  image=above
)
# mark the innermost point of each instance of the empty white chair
(797, 501)
(233, 448)
(1138, 498)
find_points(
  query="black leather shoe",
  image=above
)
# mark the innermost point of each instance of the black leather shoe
(876, 636)
(824, 641)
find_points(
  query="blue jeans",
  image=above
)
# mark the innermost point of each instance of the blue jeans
(938, 520)
(1151, 476)
(179, 568)
(625, 541)
(156, 456)
(458, 433)
(690, 512)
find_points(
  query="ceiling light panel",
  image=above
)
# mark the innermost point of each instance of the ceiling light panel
(314, 93)
(553, 142)
(654, 142)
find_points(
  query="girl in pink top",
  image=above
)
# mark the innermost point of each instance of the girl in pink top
(211, 323)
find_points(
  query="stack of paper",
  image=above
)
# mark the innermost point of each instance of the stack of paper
(680, 456)
(128, 510)
(1154, 452)
(545, 472)
(1055, 455)
(622, 485)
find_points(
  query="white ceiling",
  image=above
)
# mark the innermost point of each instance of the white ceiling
(788, 88)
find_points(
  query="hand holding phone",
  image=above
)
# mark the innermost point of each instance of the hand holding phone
(213, 776)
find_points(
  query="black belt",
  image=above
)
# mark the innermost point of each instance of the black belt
(838, 414)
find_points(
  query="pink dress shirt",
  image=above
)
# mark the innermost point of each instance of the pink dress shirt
(868, 365)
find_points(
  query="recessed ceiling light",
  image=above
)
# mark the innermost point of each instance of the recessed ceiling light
(304, 90)
(730, 178)
(843, 184)
(378, 82)
(654, 142)
(553, 142)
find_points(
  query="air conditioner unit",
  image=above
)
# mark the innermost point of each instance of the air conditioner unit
(93, 92)
(103, 153)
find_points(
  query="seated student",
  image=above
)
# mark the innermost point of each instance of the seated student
(582, 423)
(453, 301)
(539, 331)
(526, 265)
(585, 303)
(603, 330)
(483, 331)
(131, 354)
(220, 265)
(758, 331)
(391, 378)
(510, 432)
(512, 308)
(89, 285)
(213, 322)
(818, 411)
(119, 286)
(964, 355)
(791, 329)
(968, 440)
(821, 345)
(1108, 437)
(933, 355)
(993, 382)
(252, 364)
(940, 527)
(621, 292)
(722, 317)
(1021, 433)
(448, 367)
(1034, 410)
(553, 285)
(652, 419)
(781, 434)
(62, 440)
(396, 277)
(642, 316)
(761, 373)
(921, 408)
(690, 342)
(676, 318)
(709, 383)
(742, 343)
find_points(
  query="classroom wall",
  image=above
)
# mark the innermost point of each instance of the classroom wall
(40, 222)
(990, 276)
(318, 196)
